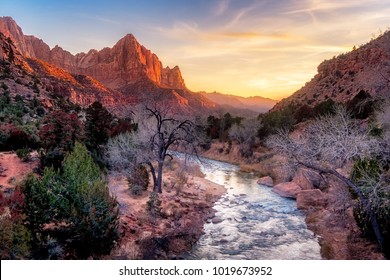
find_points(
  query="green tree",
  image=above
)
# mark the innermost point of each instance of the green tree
(97, 125)
(77, 201)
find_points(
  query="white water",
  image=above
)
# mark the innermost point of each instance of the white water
(257, 223)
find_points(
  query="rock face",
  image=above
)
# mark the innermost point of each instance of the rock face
(10, 29)
(307, 179)
(289, 189)
(307, 199)
(343, 77)
(266, 181)
(126, 63)
(128, 72)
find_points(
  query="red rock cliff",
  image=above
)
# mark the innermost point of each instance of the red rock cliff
(127, 62)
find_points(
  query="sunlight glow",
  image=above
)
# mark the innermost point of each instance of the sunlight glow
(230, 46)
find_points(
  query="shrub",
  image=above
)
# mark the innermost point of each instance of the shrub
(153, 206)
(97, 125)
(277, 120)
(15, 238)
(136, 190)
(23, 154)
(13, 138)
(139, 180)
(122, 126)
(58, 134)
(324, 108)
(373, 178)
(361, 106)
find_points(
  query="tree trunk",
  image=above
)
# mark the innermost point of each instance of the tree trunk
(153, 176)
(159, 175)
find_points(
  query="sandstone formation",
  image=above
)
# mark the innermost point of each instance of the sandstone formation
(307, 199)
(288, 189)
(10, 29)
(266, 181)
(125, 63)
(307, 179)
(50, 85)
(128, 72)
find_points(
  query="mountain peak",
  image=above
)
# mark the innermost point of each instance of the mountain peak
(10, 28)
(126, 63)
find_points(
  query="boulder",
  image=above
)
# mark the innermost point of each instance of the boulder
(307, 179)
(266, 181)
(216, 220)
(289, 189)
(311, 198)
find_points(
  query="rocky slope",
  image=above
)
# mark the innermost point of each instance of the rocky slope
(33, 78)
(128, 71)
(125, 63)
(343, 77)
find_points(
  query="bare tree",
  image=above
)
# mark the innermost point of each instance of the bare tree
(328, 143)
(244, 134)
(157, 132)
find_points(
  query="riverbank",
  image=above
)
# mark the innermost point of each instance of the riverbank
(330, 218)
(186, 205)
(263, 162)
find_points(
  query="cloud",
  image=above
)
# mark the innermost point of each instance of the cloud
(99, 18)
(221, 7)
(316, 6)
(269, 48)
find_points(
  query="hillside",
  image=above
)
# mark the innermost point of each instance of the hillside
(341, 78)
(125, 74)
(35, 79)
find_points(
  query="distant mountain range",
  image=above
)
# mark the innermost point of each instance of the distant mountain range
(126, 74)
(256, 104)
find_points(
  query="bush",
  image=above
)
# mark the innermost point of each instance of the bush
(136, 190)
(277, 120)
(153, 206)
(97, 125)
(122, 126)
(13, 138)
(373, 180)
(23, 154)
(15, 238)
(58, 134)
(139, 180)
(361, 106)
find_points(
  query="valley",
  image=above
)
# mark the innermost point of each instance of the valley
(89, 166)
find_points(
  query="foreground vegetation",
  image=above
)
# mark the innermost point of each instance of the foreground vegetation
(65, 209)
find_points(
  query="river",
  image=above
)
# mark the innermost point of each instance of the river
(256, 223)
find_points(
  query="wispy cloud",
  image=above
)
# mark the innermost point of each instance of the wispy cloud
(99, 18)
(221, 7)
(318, 6)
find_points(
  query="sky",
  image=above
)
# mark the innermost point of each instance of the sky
(269, 48)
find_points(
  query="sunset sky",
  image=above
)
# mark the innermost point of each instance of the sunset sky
(244, 47)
